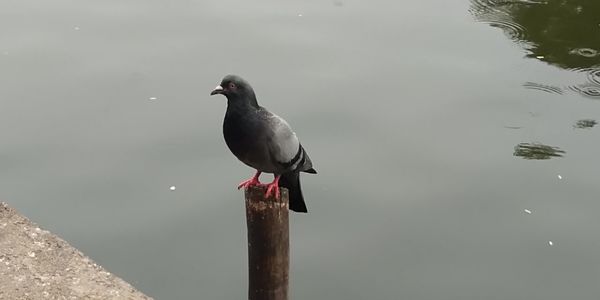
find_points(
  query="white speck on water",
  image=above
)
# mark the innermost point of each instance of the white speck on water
(559, 177)
(527, 211)
(539, 57)
(299, 15)
(172, 188)
(31, 254)
(550, 243)
(153, 98)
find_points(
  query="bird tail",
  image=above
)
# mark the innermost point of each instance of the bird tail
(291, 181)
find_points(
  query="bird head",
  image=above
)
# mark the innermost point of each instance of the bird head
(238, 91)
(233, 86)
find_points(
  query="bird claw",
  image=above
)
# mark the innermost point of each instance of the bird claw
(272, 188)
(250, 183)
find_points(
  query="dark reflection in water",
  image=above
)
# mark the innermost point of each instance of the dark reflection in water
(565, 34)
(537, 151)
(561, 33)
(585, 123)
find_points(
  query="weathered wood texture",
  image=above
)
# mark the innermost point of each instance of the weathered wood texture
(268, 245)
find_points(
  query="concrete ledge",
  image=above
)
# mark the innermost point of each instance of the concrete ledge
(36, 264)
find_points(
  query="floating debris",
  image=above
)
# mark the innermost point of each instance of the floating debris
(540, 57)
(299, 15)
(172, 188)
(537, 151)
(527, 211)
(153, 98)
(550, 243)
(559, 177)
(585, 124)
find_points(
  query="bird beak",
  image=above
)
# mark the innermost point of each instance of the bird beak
(217, 90)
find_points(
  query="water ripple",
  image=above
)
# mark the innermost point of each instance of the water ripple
(512, 29)
(585, 52)
(593, 76)
(498, 6)
(543, 88)
(587, 90)
(499, 14)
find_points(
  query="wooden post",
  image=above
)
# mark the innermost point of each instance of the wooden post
(268, 244)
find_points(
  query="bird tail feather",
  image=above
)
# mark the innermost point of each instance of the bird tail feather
(291, 181)
(311, 171)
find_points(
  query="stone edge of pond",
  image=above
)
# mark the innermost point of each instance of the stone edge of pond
(36, 264)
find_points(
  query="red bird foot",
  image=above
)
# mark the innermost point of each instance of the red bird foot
(251, 182)
(273, 188)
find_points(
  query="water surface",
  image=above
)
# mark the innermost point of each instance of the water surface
(411, 113)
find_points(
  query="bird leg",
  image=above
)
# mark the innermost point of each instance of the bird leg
(251, 182)
(273, 187)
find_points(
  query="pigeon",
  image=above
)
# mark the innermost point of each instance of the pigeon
(263, 141)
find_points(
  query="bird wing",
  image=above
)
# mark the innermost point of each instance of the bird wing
(284, 147)
(282, 142)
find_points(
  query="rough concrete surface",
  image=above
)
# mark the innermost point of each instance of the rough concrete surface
(36, 264)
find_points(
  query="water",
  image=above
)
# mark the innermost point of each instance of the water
(412, 112)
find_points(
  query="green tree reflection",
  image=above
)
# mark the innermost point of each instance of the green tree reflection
(564, 33)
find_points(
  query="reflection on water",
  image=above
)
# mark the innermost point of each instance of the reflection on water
(537, 151)
(561, 33)
(585, 123)
(498, 14)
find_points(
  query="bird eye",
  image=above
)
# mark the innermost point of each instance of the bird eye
(232, 85)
